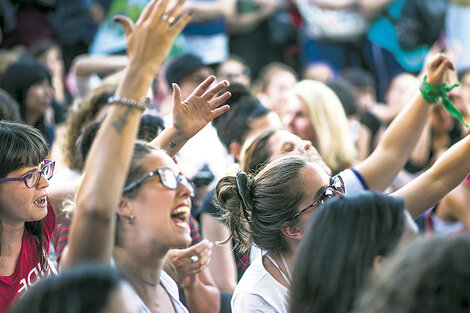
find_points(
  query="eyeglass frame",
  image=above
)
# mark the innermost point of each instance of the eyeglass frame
(45, 164)
(179, 179)
(322, 198)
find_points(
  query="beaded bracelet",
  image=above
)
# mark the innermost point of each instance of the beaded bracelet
(431, 94)
(141, 105)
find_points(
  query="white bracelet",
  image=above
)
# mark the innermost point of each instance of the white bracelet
(141, 105)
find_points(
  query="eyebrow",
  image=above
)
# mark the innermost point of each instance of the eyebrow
(29, 172)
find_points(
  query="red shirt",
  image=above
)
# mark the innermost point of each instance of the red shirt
(28, 269)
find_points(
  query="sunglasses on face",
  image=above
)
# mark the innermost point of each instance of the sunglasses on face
(168, 179)
(336, 187)
(31, 180)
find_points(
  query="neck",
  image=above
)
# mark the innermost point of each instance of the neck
(143, 276)
(11, 239)
(31, 118)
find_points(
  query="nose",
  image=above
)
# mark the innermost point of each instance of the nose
(43, 182)
(185, 188)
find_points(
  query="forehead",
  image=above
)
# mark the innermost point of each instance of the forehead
(231, 65)
(157, 159)
(294, 103)
(314, 178)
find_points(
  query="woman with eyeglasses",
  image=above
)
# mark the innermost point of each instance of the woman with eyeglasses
(133, 204)
(27, 218)
(265, 209)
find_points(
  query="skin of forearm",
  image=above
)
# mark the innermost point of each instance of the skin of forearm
(446, 174)
(396, 145)
(371, 8)
(202, 298)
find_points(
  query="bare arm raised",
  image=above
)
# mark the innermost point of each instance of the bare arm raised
(148, 43)
(398, 141)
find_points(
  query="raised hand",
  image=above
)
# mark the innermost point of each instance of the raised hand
(437, 69)
(201, 107)
(184, 263)
(150, 39)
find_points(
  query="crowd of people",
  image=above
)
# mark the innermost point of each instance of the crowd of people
(285, 160)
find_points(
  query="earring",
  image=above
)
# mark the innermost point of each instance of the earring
(131, 219)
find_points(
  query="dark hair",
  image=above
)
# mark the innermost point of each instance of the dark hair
(39, 48)
(20, 146)
(234, 125)
(150, 126)
(358, 77)
(18, 78)
(85, 288)
(337, 251)
(430, 275)
(343, 90)
(275, 196)
(9, 109)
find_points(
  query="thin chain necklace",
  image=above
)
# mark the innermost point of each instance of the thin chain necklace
(134, 273)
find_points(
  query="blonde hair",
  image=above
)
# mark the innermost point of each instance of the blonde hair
(327, 116)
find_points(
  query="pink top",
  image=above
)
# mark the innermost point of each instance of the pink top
(28, 269)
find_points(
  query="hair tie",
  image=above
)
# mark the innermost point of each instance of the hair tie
(431, 94)
(244, 190)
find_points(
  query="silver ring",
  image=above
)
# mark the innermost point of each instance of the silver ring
(165, 17)
(194, 258)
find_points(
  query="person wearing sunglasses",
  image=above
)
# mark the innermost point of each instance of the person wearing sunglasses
(27, 216)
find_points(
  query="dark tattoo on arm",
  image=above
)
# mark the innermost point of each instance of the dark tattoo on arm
(122, 120)
(172, 144)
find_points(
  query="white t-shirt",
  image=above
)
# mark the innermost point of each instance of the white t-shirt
(353, 181)
(258, 291)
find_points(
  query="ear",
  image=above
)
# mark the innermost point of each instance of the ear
(292, 232)
(235, 149)
(377, 263)
(124, 209)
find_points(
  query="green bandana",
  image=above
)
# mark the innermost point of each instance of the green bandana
(431, 94)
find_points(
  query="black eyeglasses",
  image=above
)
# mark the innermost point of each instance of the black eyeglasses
(336, 186)
(168, 179)
(31, 180)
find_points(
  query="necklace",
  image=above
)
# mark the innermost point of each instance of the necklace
(134, 273)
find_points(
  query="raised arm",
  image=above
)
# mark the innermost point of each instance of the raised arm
(148, 43)
(431, 186)
(192, 114)
(399, 139)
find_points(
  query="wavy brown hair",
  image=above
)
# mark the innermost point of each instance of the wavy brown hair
(78, 118)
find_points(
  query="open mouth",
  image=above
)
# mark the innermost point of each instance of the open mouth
(181, 215)
(41, 201)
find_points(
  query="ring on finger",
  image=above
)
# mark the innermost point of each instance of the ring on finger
(165, 17)
(194, 258)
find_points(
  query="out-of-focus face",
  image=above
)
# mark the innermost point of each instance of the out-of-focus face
(18, 203)
(295, 118)
(277, 89)
(441, 121)
(161, 214)
(319, 72)
(52, 59)
(39, 97)
(123, 300)
(234, 72)
(283, 143)
(191, 81)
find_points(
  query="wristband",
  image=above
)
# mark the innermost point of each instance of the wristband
(431, 94)
(141, 105)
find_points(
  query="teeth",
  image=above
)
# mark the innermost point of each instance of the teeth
(40, 201)
(181, 212)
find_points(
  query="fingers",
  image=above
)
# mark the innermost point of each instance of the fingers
(158, 11)
(181, 22)
(219, 100)
(199, 91)
(126, 24)
(220, 111)
(209, 94)
(146, 11)
(176, 94)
